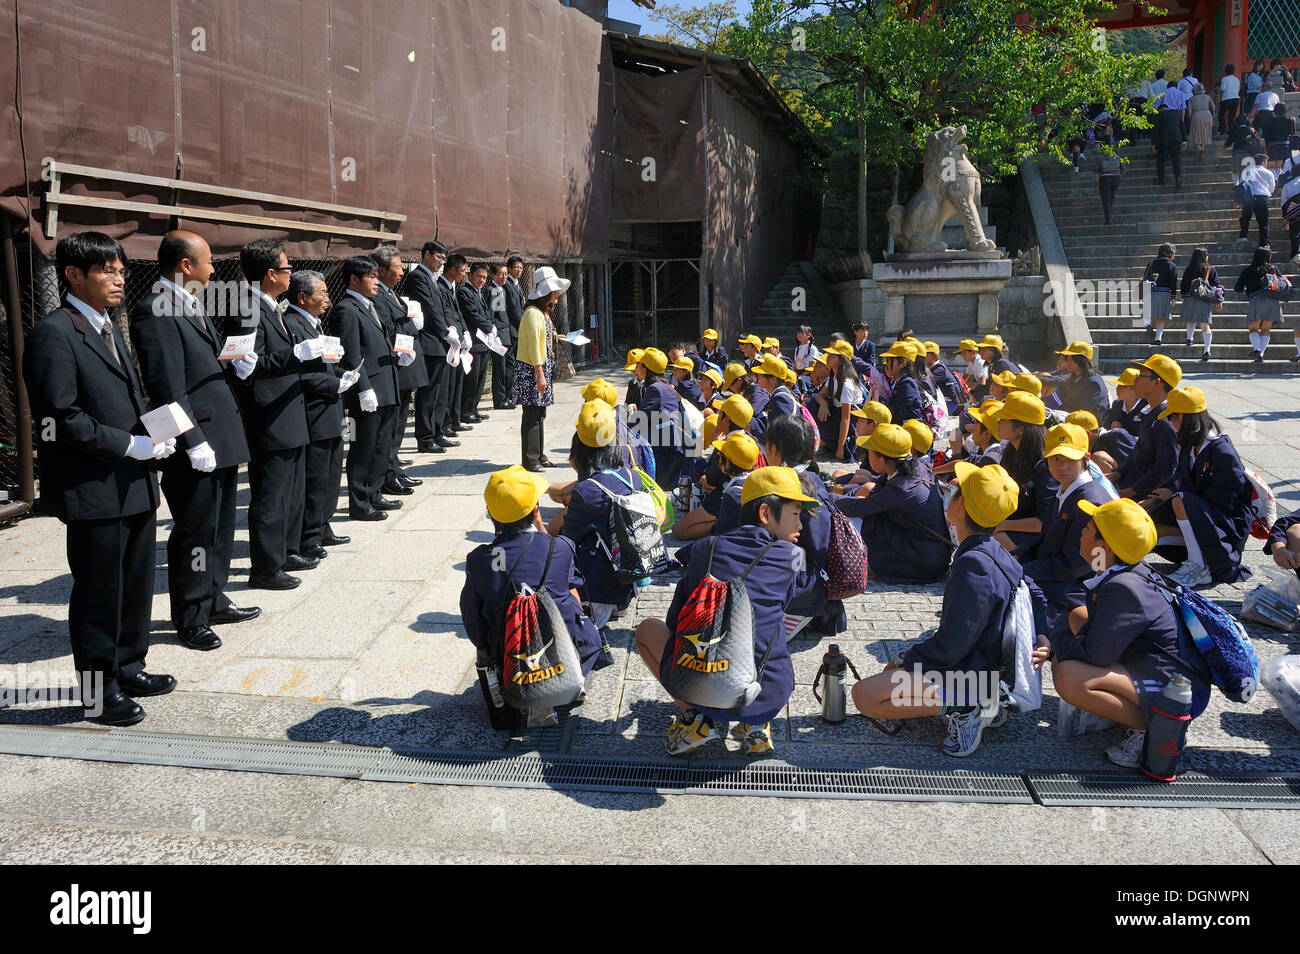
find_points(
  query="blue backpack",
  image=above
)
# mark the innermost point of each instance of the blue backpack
(1219, 639)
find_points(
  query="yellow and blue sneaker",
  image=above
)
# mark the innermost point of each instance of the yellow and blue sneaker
(757, 739)
(689, 731)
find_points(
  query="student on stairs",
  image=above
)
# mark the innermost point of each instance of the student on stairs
(1259, 183)
(1262, 311)
(1161, 278)
(1198, 310)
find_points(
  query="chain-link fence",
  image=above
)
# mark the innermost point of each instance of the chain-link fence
(654, 302)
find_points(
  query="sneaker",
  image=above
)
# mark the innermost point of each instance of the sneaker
(1004, 709)
(964, 731)
(1072, 721)
(1205, 356)
(1295, 359)
(688, 732)
(1296, 259)
(1129, 752)
(544, 718)
(757, 738)
(1244, 238)
(1192, 575)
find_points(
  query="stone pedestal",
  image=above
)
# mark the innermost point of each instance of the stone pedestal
(942, 293)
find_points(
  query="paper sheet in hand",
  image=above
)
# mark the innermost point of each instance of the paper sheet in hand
(238, 346)
(332, 349)
(170, 420)
(576, 338)
(493, 341)
(403, 344)
(413, 308)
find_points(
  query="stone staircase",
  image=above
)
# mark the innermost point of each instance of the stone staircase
(777, 318)
(1108, 260)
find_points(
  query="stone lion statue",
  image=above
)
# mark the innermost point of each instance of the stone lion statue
(951, 186)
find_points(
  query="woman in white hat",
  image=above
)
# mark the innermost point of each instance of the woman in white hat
(535, 364)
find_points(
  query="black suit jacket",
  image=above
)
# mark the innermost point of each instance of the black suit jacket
(451, 307)
(494, 294)
(365, 346)
(320, 385)
(277, 418)
(177, 347)
(475, 314)
(84, 407)
(433, 336)
(515, 305)
(393, 312)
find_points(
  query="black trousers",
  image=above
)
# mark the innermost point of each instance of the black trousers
(1258, 208)
(1172, 150)
(1107, 186)
(324, 475)
(455, 390)
(397, 433)
(475, 381)
(431, 402)
(277, 479)
(532, 435)
(1295, 238)
(203, 534)
(1228, 115)
(112, 566)
(503, 379)
(368, 456)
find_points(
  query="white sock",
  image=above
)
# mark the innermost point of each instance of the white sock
(1297, 344)
(1160, 333)
(1172, 540)
(1208, 335)
(1254, 340)
(1191, 333)
(1194, 554)
(1263, 341)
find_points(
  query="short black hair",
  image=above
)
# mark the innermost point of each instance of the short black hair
(431, 247)
(590, 460)
(384, 255)
(493, 267)
(87, 250)
(859, 325)
(259, 257)
(478, 267)
(793, 438)
(455, 260)
(357, 266)
(971, 525)
(749, 511)
(514, 260)
(508, 531)
(172, 250)
(1160, 74)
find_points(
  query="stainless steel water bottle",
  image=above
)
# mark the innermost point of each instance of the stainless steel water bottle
(828, 685)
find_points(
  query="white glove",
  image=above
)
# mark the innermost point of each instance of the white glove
(165, 449)
(453, 336)
(416, 314)
(307, 350)
(369, 401)
(244, 366)
(348, 379)
(203, 458)
(466, 361)
(141, 448)
(405, 358)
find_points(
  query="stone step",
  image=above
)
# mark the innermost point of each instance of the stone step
(1108, 326)
(1216, 365)
(1176, 337)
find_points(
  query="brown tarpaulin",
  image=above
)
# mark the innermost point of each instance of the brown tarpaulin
(479, 116)
(658, 119)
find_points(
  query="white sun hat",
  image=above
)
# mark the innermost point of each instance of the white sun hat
(546, 281)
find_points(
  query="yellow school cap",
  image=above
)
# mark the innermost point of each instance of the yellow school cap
(709, 333)
(597, 424)
(966, 344)
(771, 365)
(684, 364)
(512, 494)
(841, 348)
(922, 435)
(1125, 526)
(1078, 347)
(988, 493)
(739, 448)
(1188, 400)
(714, 375)
(874, 411)
(776, 481)
(1126, 379)
(987, 414)
(710, 427)
(888, 440)
(633, 358)
(739, 411)
(1085, 419)
(731, 372)
(1026, 382)
(1165, 368)
(600, 390)
(1024, 407)
(991, 341)
(1066, 440)
(771, 343)
(901, 349)
(754, 340)
(931, 347)
(655, 360)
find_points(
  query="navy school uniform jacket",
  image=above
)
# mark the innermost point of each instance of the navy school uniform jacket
(975, 600)
(485, 595)
(1216, 493)
(1001, 365)
(1037, 495)
(815, 541)
(1154, 461)
(586, 523)
(865, 352)
(718, 357)
(947, 384)
(905, 403)
(1083, 394)
(1054, 563)
(781, 401)
(758, 400)
(904, 529)
(992, 454)
(664, 410)
(1130, 420)
(689, 391)
(1277, 533)
(774, 581)
(1132, 624)
(634, 393)
(1116, 442)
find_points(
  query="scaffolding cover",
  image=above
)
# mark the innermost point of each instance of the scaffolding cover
(474, 118)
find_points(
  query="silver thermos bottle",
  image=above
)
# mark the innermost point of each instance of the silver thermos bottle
(828, 685)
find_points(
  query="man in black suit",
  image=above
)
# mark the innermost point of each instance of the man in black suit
(496, 295)
(373, 402)
(276, 416)
(454, 271)
(415, 374)
(96, 469)
(177, 345)
(469, 295)
(433, 434)
(323, 386)
(515, 298)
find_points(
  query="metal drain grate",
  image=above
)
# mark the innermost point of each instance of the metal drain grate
(1192, 790)
(528, 770)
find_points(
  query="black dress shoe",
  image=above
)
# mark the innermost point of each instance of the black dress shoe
(296, 561)
(370, 514)
(410, 481)
(235, 614)
(279, 580)
(432, 449)
(546, 462)
(447, 442)
(147, 684)
(395, 486)
(317, 552)
(477, 418)
(334, 540)
(460, 427)
(534, 468)
(201, 638)
(383, 503)
(404, 462)
(117, 708)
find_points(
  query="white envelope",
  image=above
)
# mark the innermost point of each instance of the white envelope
(493, 341)
(333, 349)
(415, 313)
(238, 346)
(170, 420)
(403, 344)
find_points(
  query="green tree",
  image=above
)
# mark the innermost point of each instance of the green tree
(704, 27)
